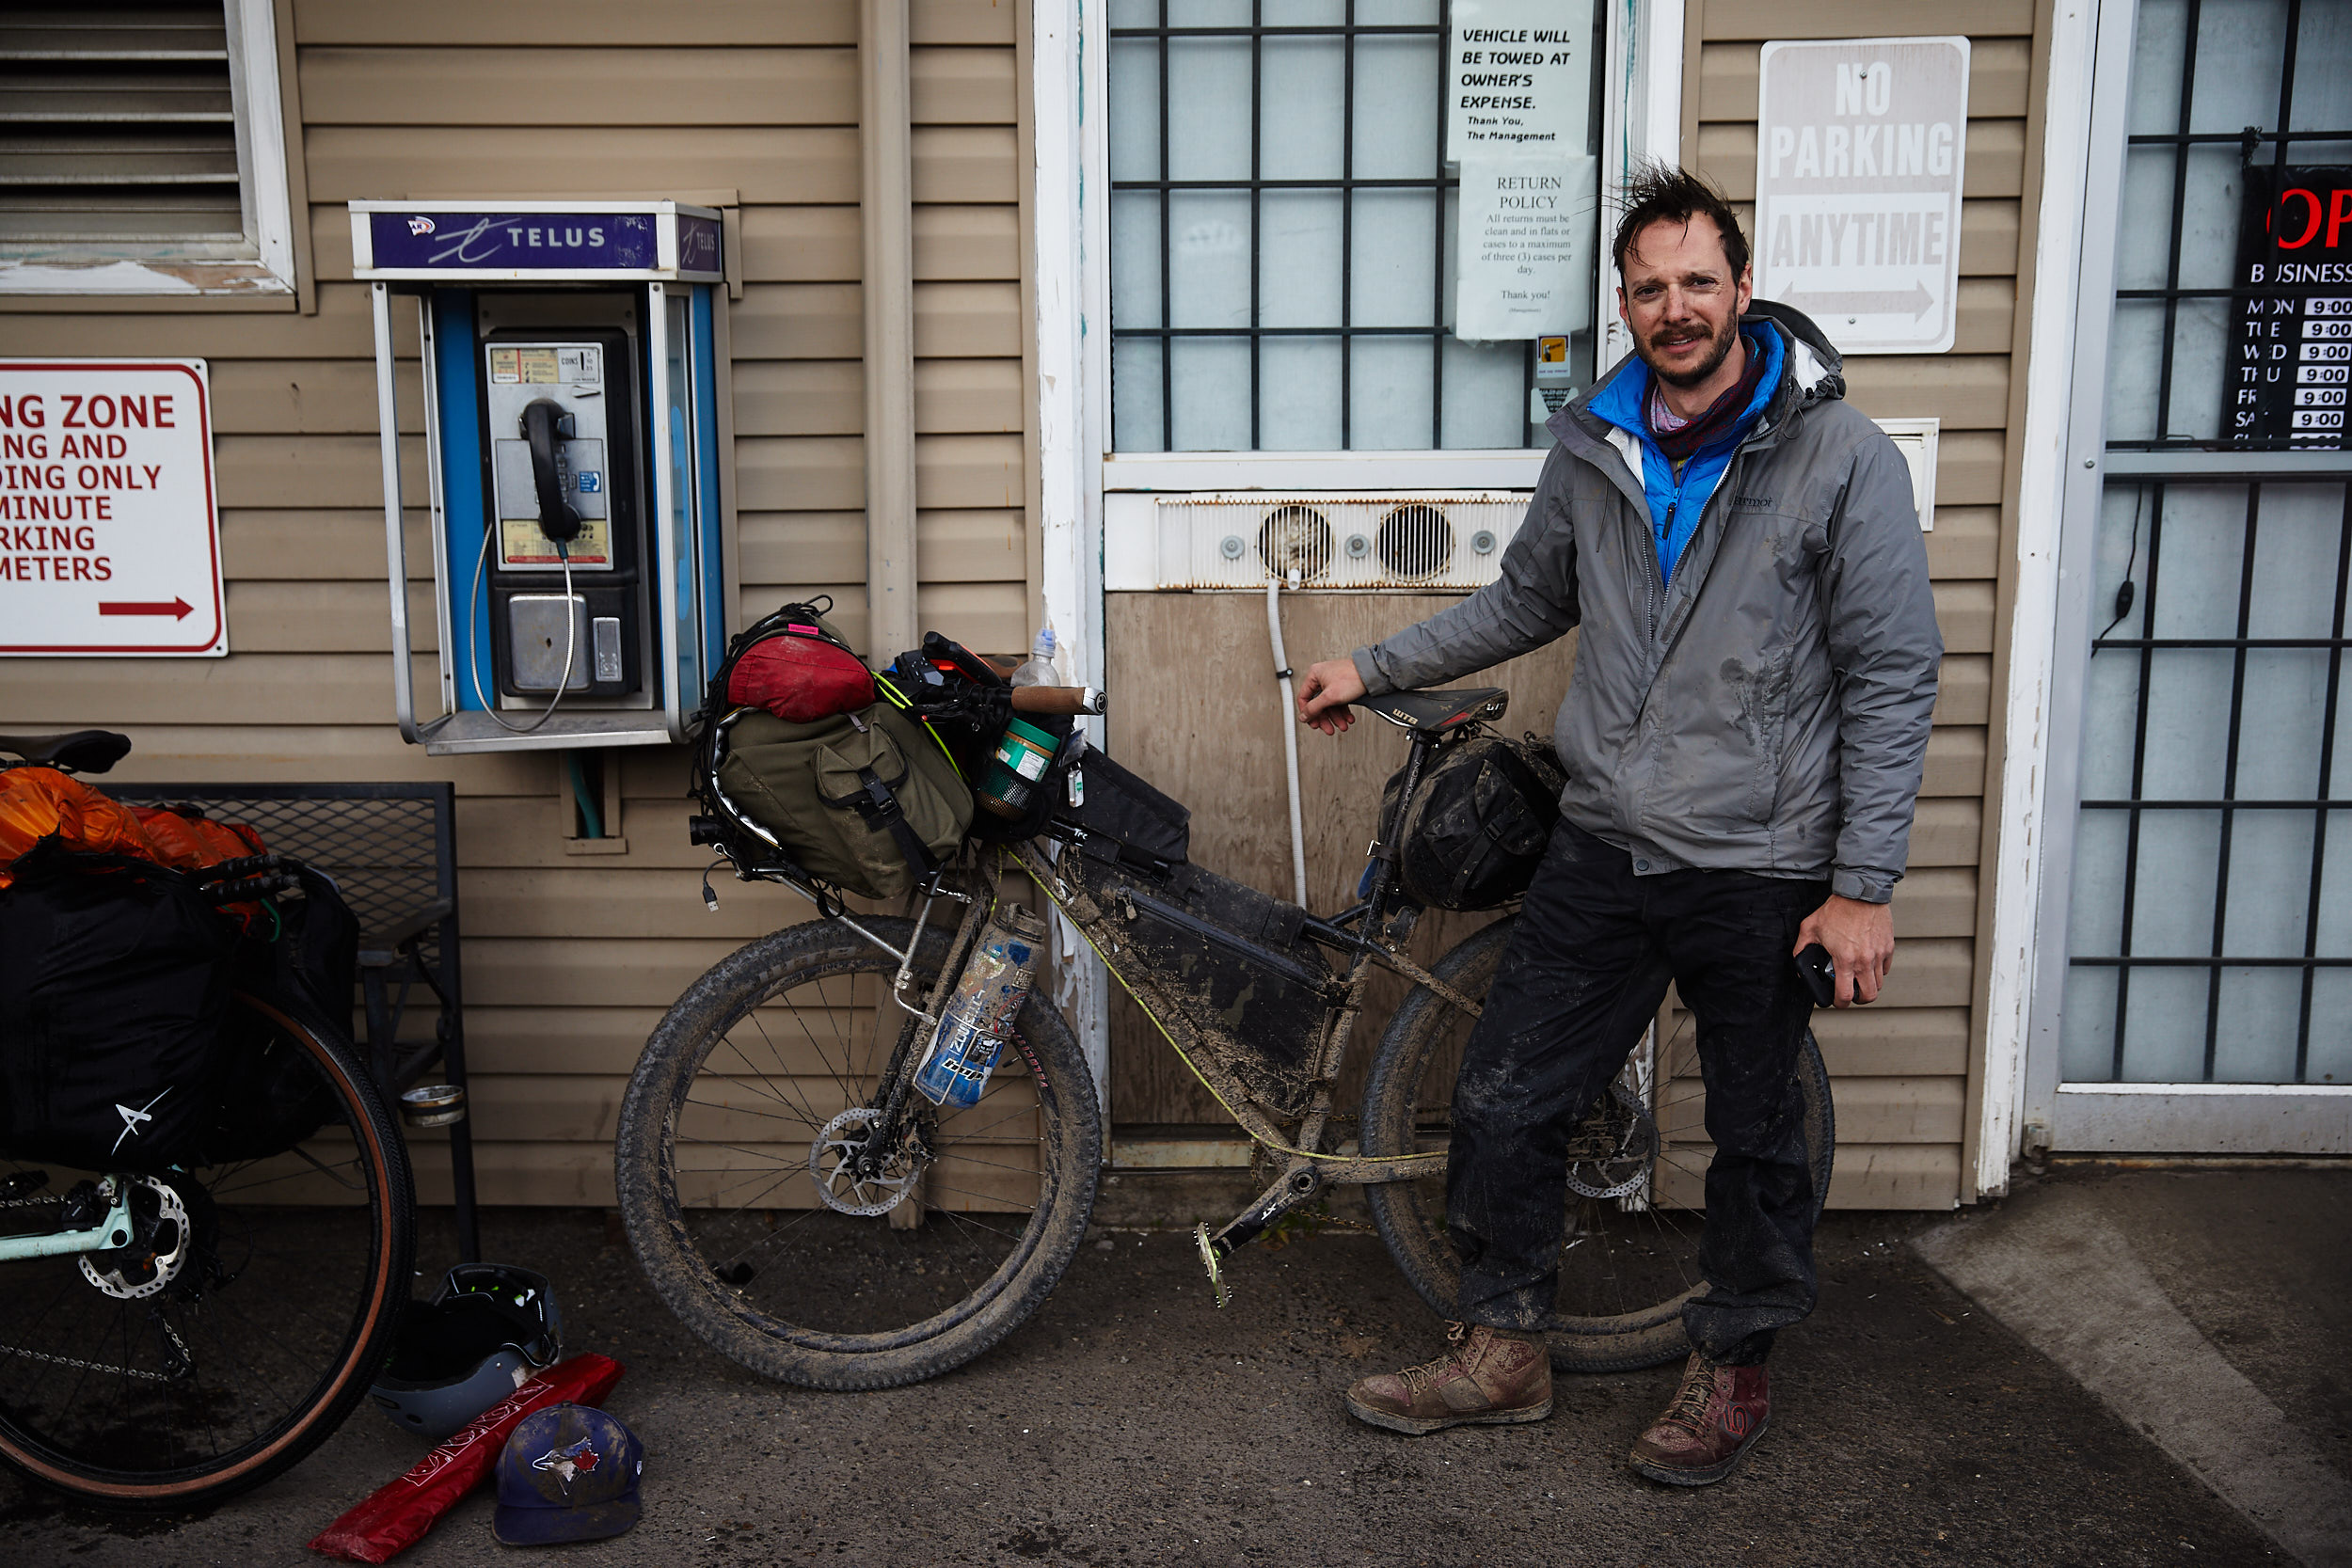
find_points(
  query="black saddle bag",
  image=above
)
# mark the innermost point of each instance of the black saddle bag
(1476, 826)
(114, 978)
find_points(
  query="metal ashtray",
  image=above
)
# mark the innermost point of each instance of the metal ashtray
(432, 1106)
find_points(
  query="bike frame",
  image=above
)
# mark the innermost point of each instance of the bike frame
(112, 1232)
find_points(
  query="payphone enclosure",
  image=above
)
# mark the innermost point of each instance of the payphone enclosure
(572, 356)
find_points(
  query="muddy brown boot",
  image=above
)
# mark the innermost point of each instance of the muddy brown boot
(1716, 1416)
(1487, 1377)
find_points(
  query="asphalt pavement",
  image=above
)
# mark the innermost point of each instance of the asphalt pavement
(1131, 1421)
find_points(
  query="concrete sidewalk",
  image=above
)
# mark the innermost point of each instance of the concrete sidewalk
(1132, 1422)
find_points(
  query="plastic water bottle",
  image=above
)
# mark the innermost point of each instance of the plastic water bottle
(980, 1014)
(1039, 670)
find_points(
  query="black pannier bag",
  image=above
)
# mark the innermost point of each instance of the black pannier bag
(274, 1096)
(114, 978)
(1477, 824)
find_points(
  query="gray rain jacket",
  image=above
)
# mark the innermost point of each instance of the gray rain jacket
(1769, 712)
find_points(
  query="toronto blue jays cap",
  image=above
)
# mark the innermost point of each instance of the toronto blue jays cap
(568, 1473)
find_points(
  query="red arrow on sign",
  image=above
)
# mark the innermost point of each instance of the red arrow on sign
(178, 608)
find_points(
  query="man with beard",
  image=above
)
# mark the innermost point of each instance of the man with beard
(1744, 738)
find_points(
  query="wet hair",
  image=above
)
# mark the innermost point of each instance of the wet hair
(1667, 192)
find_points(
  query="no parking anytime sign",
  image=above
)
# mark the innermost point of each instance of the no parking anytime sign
(109, 529)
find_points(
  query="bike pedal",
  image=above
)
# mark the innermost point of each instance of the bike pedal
(1209, 1261)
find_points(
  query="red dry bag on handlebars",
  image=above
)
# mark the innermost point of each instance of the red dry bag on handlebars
(796, 667)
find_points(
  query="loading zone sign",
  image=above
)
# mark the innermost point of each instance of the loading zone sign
(1860, 160)
(109, 529)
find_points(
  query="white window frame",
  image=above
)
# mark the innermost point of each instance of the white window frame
(265, 265)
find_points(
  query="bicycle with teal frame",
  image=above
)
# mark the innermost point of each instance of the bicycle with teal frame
(170, 1337)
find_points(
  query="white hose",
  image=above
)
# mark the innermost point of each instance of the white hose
(1290, 739)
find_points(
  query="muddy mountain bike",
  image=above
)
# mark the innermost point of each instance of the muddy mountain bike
(811, 1219)
(169, 1338)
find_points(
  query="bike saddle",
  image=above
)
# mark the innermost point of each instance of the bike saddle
(82, 752)
(1436, 712)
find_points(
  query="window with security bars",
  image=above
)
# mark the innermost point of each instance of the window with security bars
(119, 131)
(1282, 235)
(2211, 907)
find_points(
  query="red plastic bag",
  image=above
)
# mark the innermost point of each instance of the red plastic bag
(800, 677)
(395, 1517)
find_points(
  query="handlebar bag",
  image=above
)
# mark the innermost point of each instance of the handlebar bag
(866, 801)
(1476, 827)
(114, 978)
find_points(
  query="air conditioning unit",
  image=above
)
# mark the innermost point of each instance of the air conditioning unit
(1346, 542)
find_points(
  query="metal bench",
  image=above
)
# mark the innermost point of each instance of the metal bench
(391, 849)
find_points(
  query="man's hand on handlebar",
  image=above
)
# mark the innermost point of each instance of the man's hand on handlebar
(1324, 695)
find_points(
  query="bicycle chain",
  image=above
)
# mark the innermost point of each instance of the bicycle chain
(94, 1365)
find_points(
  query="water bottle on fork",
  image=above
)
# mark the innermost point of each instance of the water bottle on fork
(979, 1013)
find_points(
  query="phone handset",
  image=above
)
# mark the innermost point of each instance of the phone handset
(543, 421)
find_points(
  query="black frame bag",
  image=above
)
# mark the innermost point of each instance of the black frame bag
(1476, 829)
(114, 978)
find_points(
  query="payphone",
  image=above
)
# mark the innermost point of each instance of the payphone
(570, 357)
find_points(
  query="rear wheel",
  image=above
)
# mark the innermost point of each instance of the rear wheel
(1629, 1239)
(765, 1222)
(255, 1302)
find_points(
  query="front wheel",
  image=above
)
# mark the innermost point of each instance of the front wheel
(1629, 1239)
(765, 1221)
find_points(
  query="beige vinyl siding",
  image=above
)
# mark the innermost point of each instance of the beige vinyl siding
(571, 959)
(1902, 1067)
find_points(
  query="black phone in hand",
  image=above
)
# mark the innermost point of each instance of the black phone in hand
(1821, 976)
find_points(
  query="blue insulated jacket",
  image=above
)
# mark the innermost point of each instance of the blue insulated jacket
(1675, 503)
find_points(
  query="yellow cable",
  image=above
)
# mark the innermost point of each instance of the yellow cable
(883, 685)
(1227, 1107)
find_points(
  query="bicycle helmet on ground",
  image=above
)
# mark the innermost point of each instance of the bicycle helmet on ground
(481, 1337)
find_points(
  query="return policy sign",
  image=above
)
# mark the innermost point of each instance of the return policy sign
(1861, 154)
(109, 527)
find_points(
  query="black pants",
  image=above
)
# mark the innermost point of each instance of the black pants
(1584, 974)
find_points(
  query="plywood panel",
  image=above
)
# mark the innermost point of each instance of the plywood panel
(1995, 160)
(961, 87)
(532, 24)
(765, 164)
(1998, 72)
(537, 86)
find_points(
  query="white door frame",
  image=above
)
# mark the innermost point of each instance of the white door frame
(2066, 470)
(1642, 117)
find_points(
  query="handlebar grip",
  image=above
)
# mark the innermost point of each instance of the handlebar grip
(1056, 699)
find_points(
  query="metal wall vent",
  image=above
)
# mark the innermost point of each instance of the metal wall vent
(1344, 542)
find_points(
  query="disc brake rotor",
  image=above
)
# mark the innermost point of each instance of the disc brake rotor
(160, 1236)
(832, 1162)
(1611, 1155)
